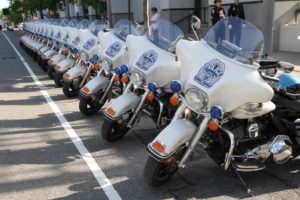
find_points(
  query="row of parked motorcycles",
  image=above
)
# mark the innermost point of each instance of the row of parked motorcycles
(218, 92)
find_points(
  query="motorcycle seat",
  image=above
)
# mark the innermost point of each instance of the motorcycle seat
(287, 102)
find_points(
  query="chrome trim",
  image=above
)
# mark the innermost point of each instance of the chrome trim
(138, 109)
(194, 141)
(89, 69)
(107, 89)
(228, 156)
(179, 110)
(161, 107)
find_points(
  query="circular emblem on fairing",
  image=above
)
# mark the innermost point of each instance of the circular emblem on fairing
(57, 36)
(210, 73)
(88, 45)
(114, 49)
(147, 60)
(76, 41)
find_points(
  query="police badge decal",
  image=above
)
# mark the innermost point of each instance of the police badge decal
(89, 44)
(114, 49)
(147, 60)
(210, 73)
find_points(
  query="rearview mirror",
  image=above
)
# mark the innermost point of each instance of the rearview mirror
(286, 67)
(196, 22)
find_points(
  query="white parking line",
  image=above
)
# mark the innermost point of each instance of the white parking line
(104, 182)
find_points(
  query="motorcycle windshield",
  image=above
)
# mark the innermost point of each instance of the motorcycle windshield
(164, 35)
(97, 25)
(83, 24)
(123, 28)
(236, 38)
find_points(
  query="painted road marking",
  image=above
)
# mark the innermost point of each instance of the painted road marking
(104, 182)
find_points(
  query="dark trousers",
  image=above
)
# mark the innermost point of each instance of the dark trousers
(235, 32)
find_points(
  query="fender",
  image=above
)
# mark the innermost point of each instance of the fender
(172, 137)
(93, 86)
(48, 54)
(43, 50)
(75, 72)
(64, 65)
(56, 59)
(124, 103)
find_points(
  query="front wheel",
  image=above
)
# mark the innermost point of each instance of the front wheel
(70, 90)
(57, 77)
(50, 71)
(89, 106)
(44, 65)
(113, 130)
(157, 173)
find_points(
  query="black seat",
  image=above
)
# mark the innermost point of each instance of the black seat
(292, 104)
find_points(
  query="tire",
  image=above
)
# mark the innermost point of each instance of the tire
(88, 106)
(35, 56)
(50, 71)
(113, 131)
(44, 65)
(0, 28)
(69, 90)
(157, 173)
(58, 79)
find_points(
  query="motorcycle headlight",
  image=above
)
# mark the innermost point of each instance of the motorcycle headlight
(106, 64)
(195, 99)
(84, 56)
(137, 78)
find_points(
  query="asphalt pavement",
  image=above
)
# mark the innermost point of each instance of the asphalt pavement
(38, 160)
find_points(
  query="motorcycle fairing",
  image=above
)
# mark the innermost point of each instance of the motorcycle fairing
(240, 84)
(142, 54)
(112, 48)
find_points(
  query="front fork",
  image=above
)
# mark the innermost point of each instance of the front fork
(107, 89)
(138, 109)
(198, 135)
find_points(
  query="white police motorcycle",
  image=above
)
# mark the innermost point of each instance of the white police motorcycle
(55, 45)
(76, 77)
(62, 42)
(153, 65)
(71, 44)
(112, 77)
(227, 107)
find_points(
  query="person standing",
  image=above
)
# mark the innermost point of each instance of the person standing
(155, 25)
(236, 10)
(218, 13)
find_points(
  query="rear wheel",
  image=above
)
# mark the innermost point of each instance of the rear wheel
(157, 173)
(113, 131)
(70, 89)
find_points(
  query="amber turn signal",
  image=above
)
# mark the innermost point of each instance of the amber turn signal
(213, 125)
(174, 100)
(150, 96)
(110, 111)
(157, 146)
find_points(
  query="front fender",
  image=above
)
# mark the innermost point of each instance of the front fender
(64, 65)
(56, 59)
(75, 72)
(124, 103)
(172, 137)
(96, 84)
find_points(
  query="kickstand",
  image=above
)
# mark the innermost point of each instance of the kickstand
(249, 191)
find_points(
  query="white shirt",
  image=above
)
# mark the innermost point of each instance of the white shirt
(155, 25)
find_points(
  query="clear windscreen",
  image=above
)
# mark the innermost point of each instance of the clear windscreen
(123, 28)
(97, 25)
(83, 24)
(164, 34)
(236, 38)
